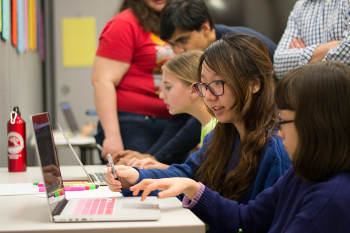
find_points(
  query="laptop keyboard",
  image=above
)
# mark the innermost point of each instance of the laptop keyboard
(100, 177)
(92, 207)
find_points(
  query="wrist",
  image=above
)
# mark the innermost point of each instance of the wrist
(113, 136)
(192, 189)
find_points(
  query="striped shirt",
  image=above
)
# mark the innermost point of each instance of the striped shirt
(315, 22)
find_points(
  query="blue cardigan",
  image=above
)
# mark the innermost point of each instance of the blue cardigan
(291, 205)
(274, 162)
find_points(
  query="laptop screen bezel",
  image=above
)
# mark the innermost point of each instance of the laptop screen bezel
(55, 203)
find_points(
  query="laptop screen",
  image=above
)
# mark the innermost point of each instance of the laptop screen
(48, 159)
(69, 117)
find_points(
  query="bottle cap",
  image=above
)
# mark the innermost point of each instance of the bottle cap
(16, 109)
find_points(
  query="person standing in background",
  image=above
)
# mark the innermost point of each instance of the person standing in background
(316, 31)
(126, 76)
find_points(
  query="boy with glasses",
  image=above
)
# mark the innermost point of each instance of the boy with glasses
(187, 25)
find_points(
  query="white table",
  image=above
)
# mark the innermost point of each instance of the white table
(27, 213)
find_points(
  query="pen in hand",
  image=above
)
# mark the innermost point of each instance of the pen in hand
(111, 164)
(99, 146)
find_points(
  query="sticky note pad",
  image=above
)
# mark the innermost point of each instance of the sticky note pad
(78, 41)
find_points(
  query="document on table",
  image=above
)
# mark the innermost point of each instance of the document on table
(18, 189)
(30, 189)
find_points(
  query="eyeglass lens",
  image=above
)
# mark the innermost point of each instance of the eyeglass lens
(216, 88)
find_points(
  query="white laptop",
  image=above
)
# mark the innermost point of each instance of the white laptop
(73, 125)
(82, 210)
(99, 177)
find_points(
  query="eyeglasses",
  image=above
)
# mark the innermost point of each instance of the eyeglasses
(215, 87)
(181, 41)
(280, 121)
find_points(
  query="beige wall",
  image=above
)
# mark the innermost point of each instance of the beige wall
(20, 85)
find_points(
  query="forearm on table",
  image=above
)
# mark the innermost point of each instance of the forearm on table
(177, 148)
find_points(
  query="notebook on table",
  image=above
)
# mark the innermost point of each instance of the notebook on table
(82, 210)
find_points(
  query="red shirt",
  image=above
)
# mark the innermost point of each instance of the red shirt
(123, 39)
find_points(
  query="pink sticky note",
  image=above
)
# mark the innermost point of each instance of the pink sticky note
(74, 188)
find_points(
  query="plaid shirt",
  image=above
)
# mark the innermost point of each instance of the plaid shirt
(315, 22)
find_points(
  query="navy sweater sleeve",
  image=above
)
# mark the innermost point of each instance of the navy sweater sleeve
(180, 136)
(224, 215)
(187, 169)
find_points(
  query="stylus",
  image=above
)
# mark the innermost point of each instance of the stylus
(99, 146)
(111, 164)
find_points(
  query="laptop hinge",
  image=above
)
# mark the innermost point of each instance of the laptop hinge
(59, 208)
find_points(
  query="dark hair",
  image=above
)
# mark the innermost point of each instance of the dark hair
(240, 59)
(148, 19)
(186, 15)
(319, 94)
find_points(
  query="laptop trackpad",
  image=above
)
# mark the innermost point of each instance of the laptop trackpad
(147, 205)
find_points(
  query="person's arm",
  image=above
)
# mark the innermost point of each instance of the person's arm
(173, 148)
(146, 163)
(320, 51)
(285, 57)
(106, 76)
(174, 125)
(124, 157)
(133, 175)
(222, 214)
(341, 52)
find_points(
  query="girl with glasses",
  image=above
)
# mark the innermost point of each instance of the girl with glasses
(243, 155)
(313, 195)
(179, 94)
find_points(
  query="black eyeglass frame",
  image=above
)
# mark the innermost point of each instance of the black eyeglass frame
(207, 86)
(280, 121)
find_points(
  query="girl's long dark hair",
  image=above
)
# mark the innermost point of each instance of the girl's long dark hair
(239, 59)
(149, 19)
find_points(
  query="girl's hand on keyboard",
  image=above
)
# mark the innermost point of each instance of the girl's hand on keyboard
(171, 187)
(127, 176)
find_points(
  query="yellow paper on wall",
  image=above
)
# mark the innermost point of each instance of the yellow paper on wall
(78, 41)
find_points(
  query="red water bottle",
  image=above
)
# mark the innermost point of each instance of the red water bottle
(16, 135)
